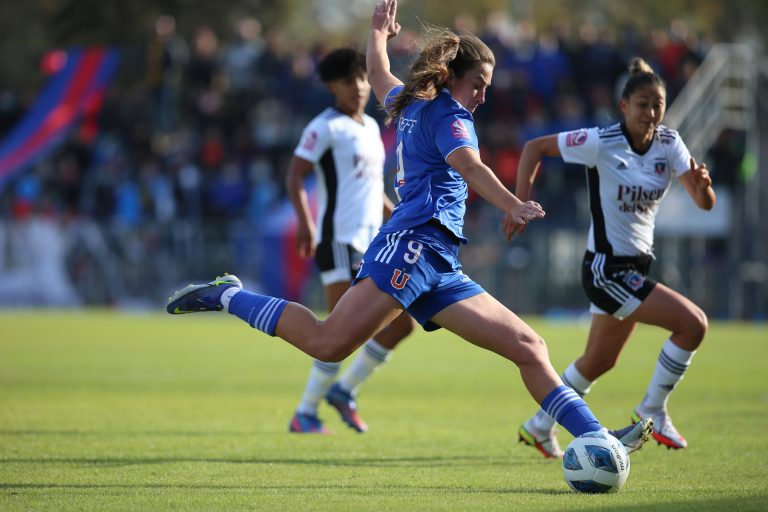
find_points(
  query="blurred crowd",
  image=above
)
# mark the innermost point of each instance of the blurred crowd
(202, 124)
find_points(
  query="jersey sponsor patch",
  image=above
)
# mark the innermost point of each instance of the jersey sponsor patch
(459, 130)
(576, 138)
(310, 141)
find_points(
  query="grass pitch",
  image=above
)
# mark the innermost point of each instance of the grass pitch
(108, 411)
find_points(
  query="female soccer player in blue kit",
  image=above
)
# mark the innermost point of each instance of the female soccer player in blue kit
(412, 263)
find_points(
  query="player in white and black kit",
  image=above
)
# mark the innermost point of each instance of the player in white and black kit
(630, 166)
(343, 146)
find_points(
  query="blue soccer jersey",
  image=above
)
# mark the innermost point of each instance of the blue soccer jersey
(427, 187)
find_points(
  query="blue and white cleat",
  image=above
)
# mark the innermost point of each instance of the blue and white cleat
(634, 436)
(307, 424)
(196, 298)
(344, 402)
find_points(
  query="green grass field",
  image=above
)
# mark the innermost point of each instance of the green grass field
(108, 411)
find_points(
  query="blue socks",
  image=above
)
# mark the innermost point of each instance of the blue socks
(570, 411)
(260, 311)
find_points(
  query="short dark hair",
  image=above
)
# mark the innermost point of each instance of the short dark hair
(341, 63)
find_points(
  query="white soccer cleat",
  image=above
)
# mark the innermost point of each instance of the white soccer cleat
(664, 432)
(545, 442)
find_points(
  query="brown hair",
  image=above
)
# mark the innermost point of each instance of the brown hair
(640, 74)
(442, 52)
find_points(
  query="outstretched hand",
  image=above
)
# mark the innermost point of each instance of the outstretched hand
(700, 175)
(383, 18)
(516, 220)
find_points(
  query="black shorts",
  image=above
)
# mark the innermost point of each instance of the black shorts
(337, 262)
(616, 285)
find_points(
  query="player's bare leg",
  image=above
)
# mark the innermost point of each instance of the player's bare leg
(362, 312)
(688, 325)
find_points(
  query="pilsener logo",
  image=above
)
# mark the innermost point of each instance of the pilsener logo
(638, 193)
(636, 199)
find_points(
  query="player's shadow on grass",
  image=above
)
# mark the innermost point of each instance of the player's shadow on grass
(754, 502)
(452, 489)
(420, 461)
(127, 433)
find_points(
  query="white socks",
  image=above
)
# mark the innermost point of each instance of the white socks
(227, 295)
(670, 369)
(321, 377)
(543, 422)
(574, 379)
(370, 358)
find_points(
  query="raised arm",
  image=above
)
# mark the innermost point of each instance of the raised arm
(698, 183)
(383, 28)
(530, 162)
(481, 179)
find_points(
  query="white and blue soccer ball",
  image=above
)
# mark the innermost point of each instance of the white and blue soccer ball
(596, 462)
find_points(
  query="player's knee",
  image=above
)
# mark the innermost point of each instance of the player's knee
(697, 326)
(533, 349)
(404, 326)
(410, 326)
(396, 332)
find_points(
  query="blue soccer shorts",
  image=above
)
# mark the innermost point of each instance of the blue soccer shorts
(419, 267)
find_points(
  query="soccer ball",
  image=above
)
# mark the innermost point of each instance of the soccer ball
(596, 462)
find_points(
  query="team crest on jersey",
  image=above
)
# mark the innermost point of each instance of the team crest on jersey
(576, 138)
(660, 168)
(634, 280)
(399, 278)
(310, 142)
(459, 130)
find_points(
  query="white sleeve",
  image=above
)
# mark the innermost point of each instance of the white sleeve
(315, 141)
(679, 157)
(579, 146)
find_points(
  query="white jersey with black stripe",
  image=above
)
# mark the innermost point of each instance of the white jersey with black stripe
(625, 186)
(349, 163)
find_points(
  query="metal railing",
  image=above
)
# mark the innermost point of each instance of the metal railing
(723, 94)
